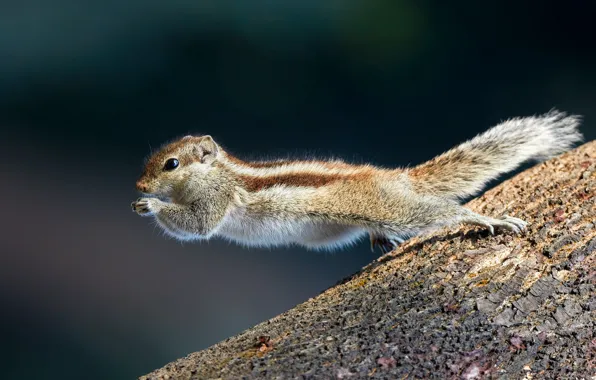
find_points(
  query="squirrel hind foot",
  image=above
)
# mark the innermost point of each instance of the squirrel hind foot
(505, 222)
(384, 243)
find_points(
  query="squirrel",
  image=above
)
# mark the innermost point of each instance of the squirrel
(196, 190)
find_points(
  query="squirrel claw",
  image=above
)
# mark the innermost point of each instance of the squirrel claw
(505, 222)
(141, 206)
(385, 244)
(513, 224)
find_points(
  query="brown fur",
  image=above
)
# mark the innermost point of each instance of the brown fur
(335, 164)
(299, 178)
(155, 163)
(446, 171)
(257, 164)
(253, 184)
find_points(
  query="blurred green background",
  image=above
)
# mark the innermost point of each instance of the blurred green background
(90, 290)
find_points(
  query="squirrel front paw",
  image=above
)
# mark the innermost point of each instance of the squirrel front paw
(144, 206)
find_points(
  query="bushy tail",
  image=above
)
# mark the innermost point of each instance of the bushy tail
(465, 169)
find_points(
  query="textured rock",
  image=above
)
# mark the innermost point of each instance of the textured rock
(454, 304)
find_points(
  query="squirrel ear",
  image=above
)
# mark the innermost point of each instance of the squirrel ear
(207, 149)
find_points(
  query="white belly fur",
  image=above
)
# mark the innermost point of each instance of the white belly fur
(270, 232)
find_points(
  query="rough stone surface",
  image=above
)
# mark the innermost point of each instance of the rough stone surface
(454, 304)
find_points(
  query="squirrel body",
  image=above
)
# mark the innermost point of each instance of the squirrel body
(197, 191)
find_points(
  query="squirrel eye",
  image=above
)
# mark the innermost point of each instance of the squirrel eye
(171, 164)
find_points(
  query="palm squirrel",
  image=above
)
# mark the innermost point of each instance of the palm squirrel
(196, 190)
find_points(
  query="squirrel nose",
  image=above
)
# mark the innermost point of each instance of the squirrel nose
(142, 187)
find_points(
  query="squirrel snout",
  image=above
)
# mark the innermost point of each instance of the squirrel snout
(142, 187)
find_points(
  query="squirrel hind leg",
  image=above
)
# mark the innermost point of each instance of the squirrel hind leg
(384, 243)
(505, 222)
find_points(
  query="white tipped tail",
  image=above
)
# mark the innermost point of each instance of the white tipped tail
(465, 169)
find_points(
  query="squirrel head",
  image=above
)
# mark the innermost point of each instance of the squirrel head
(174, 163)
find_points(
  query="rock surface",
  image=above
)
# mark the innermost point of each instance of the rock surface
(457, 303)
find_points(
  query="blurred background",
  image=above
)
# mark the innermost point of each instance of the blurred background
(86, 89)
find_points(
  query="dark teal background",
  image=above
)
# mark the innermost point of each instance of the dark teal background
(90, 290)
